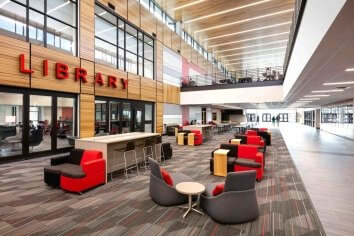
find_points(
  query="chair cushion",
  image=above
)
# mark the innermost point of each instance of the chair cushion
(218, 189)
(73, 171)
(247, 163)
(209, 188)
(179, 178)
(166, 177)
(75, 156)
(56, 169)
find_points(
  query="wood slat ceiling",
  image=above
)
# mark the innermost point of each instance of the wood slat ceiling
(255, 35)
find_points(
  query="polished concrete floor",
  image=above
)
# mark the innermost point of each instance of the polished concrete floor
(326, 165)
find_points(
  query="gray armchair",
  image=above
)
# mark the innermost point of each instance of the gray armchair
(162, 193)
(237, 203)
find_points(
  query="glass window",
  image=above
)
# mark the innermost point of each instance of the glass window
(100, 117)
(105, 53)
(140, 48)
(36, 27)
(145, 3)
(148, 112)
(11, 124)
(131, 43)
(121, 38)
(106, 30)
(158, 13)
(121, 59)
(140, 66)
(131, 62)
(148, 69)
(13, 19)
(148, 52)
(114, 117)
(62, 9)
(37, 4)
(170, 23)
(131, 30)
(65, 121)
(60, 36)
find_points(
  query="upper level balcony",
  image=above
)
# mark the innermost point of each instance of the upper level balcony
(268, 76)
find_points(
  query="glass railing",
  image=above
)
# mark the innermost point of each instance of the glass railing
(234, 77)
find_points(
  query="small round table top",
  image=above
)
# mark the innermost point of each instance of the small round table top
(190, 188)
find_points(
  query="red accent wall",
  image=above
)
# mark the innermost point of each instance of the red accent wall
(185, 115)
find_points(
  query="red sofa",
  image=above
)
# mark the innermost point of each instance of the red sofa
(198, 137)
(88, 172)
(248, 158)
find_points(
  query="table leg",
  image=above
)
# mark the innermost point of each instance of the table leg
(190, 206)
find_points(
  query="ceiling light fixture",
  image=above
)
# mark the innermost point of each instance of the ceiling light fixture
(349, 69)
(318, 95)
(270, 54)
(247, 31)
(245, 40)
(226, 11)
(187, 5)
(328, 91)
(243, 21)
(339, 83)
(309, 99)
(242, 53)
(251, 46)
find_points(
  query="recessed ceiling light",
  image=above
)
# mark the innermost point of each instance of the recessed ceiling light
(250, 30)
(245, 40)
(339, 83)
(251, 46)
(328, 91)
(318, 95)
(226, 11)
(270, 54)
(187, 5)
(242, 53)
(309, 99)
(349, 69)
(243, 21)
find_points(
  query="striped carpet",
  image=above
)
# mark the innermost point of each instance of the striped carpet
(28, 207)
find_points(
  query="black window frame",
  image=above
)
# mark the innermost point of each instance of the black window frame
(118, 46)
(45, 31)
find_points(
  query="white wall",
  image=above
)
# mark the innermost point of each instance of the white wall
(316, 20)
(172, 114)
(236, 95)
(172, 67)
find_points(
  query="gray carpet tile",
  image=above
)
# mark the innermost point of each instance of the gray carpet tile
(29, 207)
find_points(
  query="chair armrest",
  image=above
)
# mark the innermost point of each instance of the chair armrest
(94, 166)
(59, 160)
(261, 143)
(259, 158)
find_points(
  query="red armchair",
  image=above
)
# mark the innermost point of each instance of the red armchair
(251, 132)
(89, 173)
(256, 141)
(249, 159)
(198, 137)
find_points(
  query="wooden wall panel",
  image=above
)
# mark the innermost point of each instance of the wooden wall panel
(10, 50)
(87, 29)
(159, 117)
(159, 61)
(106, 91)
(148, 21)
(50, 82)
(87, 115)
(176, 42)
(167, 36)
(121, 6)
(159, 30)
(88, 87)
(134, 12)
(133, 86)
(148, 89)
(159, 92)
(171, 94)
(186, 51)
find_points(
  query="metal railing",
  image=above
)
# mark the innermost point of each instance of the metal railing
(234, 77)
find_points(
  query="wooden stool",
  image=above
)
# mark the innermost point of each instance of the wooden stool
(181, 139)
(236, 141)
(191, 139)
(220, 162)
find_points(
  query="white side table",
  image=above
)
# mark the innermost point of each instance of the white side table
(190, 189)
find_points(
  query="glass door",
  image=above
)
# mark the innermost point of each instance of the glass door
(40, 123)
(114, 124)
(138, 124)
(100, 117)
(65, 122)
(149, 114)
(126, 117)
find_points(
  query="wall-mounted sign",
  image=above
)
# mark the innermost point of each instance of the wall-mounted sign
(62, 73)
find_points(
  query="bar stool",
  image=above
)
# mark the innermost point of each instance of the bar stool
(130, 148)
(158, 146)
(148, 152)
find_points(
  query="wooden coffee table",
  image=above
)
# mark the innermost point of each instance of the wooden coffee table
(220, 162)
(190, 189)
(236, 141)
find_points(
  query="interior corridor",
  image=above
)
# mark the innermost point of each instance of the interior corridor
(325, 163)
